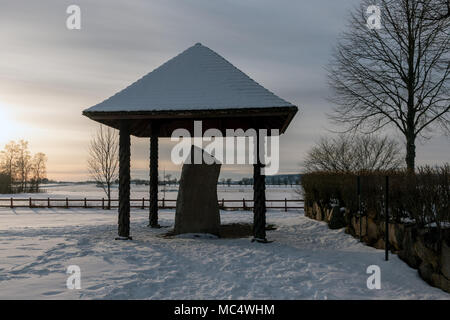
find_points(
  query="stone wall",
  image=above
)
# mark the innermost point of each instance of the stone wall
(419, 248)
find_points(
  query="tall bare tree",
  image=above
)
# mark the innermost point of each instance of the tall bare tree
(39, 169)
(8, 162)
(350, 153)
(397, 75)
(23, 164)
(103, 161)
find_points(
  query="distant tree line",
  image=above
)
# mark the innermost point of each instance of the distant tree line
(20, 171)
(287, 180)
(278, 180)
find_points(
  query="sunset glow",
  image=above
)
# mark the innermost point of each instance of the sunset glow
(8, 128)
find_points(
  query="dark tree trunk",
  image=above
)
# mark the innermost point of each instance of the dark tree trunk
(410, 126)
(124, 181)
(410, 152)
(259, 200)
(153, 214)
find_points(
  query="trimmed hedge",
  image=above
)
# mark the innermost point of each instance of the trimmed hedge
(422, 198)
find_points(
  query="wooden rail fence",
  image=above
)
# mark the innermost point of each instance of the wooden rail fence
(225, 204)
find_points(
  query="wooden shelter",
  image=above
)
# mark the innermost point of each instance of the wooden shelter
(198, 84)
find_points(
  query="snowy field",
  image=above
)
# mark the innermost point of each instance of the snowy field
(91, 191)
(305, 261)
(139, 191)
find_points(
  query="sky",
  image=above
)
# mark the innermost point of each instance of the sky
(50, 74)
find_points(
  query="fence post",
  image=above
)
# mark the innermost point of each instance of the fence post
(143, 203)
(285, 205)
(103, 203)
(163, 203)
(12, 203)
(85, 203)
(358, 183)
(30, 203)
(67, 203)
(386, 240)
(223, 203)
(243, 203)
(48, 202)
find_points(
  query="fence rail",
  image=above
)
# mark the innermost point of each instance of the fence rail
(224, 204)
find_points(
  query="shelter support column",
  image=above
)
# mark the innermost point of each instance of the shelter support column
(124, 181)
(153, 214)
(259, 198)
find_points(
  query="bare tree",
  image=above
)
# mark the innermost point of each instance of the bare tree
(352, 153)
(39, 169)
(8, 162)
(439, 9)
(103, 161)
(397, 75)
(23, 164)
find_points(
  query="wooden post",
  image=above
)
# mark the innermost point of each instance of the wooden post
(153, 208)
(12, 203)
(143, 204)
(124, 181)
(48, 202)
(223, 203)
(243, 203)
(103, 203)
(30, 204)
(386, 240)
(163, 203)
(285, 205)
(85, 203)
(67, 203)
(259, 197)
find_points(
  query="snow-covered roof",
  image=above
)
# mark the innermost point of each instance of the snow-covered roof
(196, 79)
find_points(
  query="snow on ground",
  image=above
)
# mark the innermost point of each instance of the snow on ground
(77, 191)
(305, 261)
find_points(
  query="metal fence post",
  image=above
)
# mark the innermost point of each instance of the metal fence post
(358, 182)
(386, 246)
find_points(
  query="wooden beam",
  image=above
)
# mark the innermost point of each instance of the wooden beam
(153, 211)
(124, 181)
(259, 199)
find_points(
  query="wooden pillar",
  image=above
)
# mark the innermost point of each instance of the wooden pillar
(153, 214)
(259, 199)
(124, 181)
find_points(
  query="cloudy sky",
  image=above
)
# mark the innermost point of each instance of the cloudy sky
(49, 74)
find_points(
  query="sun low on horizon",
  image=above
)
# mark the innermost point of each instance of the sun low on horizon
(9, 129)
